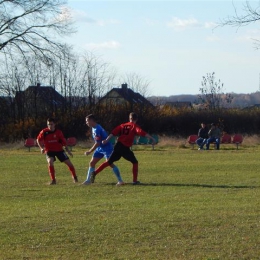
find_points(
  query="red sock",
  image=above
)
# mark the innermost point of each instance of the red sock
(102, 167)
(72, 170)
(51, 172)
(135, 172)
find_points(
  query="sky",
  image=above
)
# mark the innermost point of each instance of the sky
(172, 44)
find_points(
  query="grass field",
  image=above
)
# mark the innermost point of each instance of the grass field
(192, 205)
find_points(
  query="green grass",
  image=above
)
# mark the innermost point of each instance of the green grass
(192, 205)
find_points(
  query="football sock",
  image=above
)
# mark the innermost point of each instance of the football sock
(90, 170)
(51, 172)
(117, 173)
(135, 172)
(101, 167)
(72, 170)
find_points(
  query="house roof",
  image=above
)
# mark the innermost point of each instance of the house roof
(129, 95)
(48, 94)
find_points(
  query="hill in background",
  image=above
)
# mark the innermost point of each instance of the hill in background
(238, 101)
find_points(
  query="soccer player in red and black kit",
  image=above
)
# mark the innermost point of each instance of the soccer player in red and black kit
(126, 134)
(54, 142)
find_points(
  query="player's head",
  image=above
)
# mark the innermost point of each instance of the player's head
(203, 125)
(91, 120)
(51, 123)
(133, 117)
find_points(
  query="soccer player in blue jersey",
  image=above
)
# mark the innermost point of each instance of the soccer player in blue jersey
(100, 150)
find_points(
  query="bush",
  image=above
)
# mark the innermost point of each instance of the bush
(162, 121)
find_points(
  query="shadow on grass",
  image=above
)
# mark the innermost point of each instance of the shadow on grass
(194, 185)
(201, 185)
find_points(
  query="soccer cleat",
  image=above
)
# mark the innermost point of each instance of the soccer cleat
(120, 183)
(136, 183)
(92, 177)
(53, 182)
(75, 179)
(86, 183)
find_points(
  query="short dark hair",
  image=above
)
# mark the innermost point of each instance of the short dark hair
(134, 116)
(51, 119)
(91, 117)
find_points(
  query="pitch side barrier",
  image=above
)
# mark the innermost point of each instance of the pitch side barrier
(140, 140)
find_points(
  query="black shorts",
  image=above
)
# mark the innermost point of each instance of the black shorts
(62, 156)
(122, 151)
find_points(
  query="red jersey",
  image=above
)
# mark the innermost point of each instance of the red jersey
(53, 140)
(127, 133)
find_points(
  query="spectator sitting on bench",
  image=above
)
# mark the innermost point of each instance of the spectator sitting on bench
(203, 136)
(214, 136)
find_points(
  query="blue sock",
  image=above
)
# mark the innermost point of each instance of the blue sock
(90, 170)
(117, 173)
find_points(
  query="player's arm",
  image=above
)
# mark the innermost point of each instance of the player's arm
(151, 138)
(115, 132)
(64, 144)
(68, 150)
(107, 139)
(38, 139)
(93, 148)
(141, 132)
(39, 144)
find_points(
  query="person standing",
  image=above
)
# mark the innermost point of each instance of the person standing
(203, 136)
(214, 136)
(54, 141)
(100, 150)
(126, 133)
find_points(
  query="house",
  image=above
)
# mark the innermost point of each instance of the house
(6, 108)
(36, 100)
(125, 96)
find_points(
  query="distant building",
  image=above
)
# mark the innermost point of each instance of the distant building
(125, 96)
(255, 106)
(36, 100)
(178, 104)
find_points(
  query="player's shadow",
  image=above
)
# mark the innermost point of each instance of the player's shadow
(196, 185)
(199, 185)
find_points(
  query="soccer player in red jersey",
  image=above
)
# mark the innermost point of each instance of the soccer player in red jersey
(126, 133)
(54, 142)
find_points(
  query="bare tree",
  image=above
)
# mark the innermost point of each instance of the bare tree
(97, 77)
(211, 93)
(250, 14)
(137, 83)
(28, 26)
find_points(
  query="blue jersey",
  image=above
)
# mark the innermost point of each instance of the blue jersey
(99, 134)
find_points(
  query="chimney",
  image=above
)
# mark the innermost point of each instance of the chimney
(124, 86)
(38, 85)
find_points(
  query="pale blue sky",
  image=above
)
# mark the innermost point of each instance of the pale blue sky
(170, 43)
